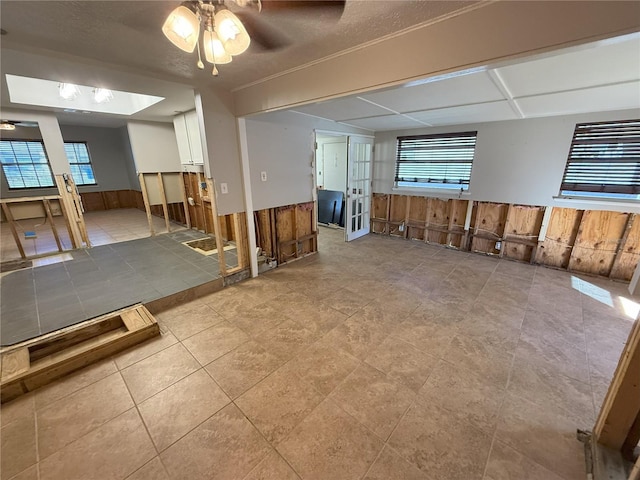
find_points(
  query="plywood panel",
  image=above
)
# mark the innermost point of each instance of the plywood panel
(438, 218)
(172, 187)
(597, 242)
(417, 216)
(285, 229)
(560, 237)
(523, 223)
(379, 208)
(92, 201)
(304, 225)
(111, 200)
(457, 218)
(490, 222)
(629, 254)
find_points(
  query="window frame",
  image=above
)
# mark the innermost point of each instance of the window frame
(585, 153)
(452, 140)
(47, 163)
(79, 179)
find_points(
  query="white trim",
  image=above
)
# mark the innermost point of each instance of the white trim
(584, 203)
(248, 198)
(341, 134)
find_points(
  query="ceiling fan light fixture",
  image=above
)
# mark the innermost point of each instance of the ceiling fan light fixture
(214, 52)
(182, 28)
(231, 31)
(68, 91)
(7, 126)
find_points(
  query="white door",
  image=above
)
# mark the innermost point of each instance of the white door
(358, 202)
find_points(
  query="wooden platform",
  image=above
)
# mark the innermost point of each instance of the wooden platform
(37, 362)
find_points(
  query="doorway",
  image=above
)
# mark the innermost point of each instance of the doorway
(343, 174)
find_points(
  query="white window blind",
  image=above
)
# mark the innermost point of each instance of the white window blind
(25, 164)
(80, 163)
(604, 159)
(441, 160)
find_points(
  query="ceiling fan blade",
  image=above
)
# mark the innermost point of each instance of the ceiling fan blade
(333, 7)
(263, 36)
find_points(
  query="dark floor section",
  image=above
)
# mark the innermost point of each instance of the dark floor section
(100, 280)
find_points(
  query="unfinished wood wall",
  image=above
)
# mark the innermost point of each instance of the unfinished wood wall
(589, 241)
(97, 201)
(286, 233)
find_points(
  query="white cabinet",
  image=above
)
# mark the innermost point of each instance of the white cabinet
(188, 138)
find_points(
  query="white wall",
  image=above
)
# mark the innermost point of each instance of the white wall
(129, 161)
(154, 147)
(517, 161)
(331, 168)
(220, 148)
(282, 144)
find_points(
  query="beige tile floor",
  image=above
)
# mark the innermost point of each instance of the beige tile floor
(379, 359)
(104, 227)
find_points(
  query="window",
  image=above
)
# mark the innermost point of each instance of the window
(604, 160)
(441, 161)
(25, 164)
(80, 163)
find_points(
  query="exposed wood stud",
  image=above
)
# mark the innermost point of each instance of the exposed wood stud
(9, 216)
(147, 206)
(621, 245)
(163, 199)
(47, 209)
(621, 406)
(451, 217)
(185, 201)
(217, 229)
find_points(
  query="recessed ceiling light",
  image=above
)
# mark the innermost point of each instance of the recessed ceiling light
(68, 91)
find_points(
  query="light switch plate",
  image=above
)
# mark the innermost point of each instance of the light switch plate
(224, 188)
(263, 176)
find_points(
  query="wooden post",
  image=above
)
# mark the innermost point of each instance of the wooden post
(504, 231)
(427, 220)
(477, 225)
(295, 229)
(47, 209)
(163, 198)
(467, 225)
(70, 211)
(450, 224)
(574, 240)
(216, 227)
(77, 203)
(387, 225)
(185, 202)
(147, 206)
(407, 213)
(621, 406)
(7, 213)
(622, 243)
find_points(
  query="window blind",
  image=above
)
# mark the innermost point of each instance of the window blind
(80, 163)
(435, 159)
(25, 164)
(604, 158)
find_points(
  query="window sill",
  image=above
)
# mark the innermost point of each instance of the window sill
(432, 192)
(598, 203)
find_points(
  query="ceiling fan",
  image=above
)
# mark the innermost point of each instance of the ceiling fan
(12, 124)
(229, 33)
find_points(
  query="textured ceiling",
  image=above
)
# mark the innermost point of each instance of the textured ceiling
(128, 34)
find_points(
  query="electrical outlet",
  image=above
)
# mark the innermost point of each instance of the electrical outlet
(498, 245)
(263, 176)
(224, 188)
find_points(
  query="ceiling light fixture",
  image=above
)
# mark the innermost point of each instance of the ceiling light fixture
(68, 91)
(7, 126)
(223, 35)
(102, 95)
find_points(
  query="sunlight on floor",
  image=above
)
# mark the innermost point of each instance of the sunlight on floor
(591, 290)
(631, 308)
